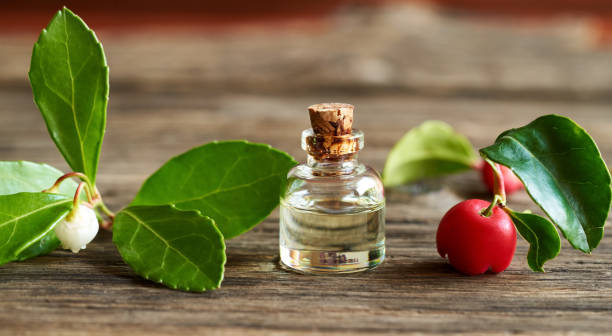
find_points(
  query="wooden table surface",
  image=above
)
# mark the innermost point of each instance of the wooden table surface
(401, 65)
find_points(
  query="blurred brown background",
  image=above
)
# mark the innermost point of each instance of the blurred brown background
(265, 60)
(121, 14)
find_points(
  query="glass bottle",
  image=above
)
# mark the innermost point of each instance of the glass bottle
(332, 213)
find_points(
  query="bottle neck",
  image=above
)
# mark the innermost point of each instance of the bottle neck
(333, 166)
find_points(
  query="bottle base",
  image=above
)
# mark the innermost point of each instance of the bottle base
(331, 262)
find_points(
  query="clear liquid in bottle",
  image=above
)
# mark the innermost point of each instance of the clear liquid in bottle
(342, 241)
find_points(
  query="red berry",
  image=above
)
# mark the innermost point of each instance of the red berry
(475, 243)
(511, 182)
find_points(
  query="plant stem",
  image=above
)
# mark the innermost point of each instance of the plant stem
(82, 176)
(99, 204)
(477, 165)
(93, 196)
(105, 210)
(75, 200)
(489, 210)
(88, 192)
(499, 189)
(498, 182)
(100, 219)
(106, 225)
(508, 210)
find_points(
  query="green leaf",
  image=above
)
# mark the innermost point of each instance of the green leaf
(25, 218)
(429, 150)
(237, 183)
(24, 176)
(544, 241)
(69, 79)
(180, 249)
(45, 245)
(563, 173)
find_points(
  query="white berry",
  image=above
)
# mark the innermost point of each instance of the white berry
(78, 228)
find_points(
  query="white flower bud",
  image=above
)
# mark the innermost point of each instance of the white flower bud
(78, 228)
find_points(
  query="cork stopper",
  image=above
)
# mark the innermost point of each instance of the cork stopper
(331, 118)
(331, 136)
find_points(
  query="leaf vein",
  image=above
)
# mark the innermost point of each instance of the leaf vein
(137, 219)
(566, 198)
(163, 263)
(218, 190)
(536, 241)
(78, 72)
(24, 181)
(90, 117)
(8, 240)
(134, 235)
(32, 212)
(52, 90)
(74, 116)
(227, 172)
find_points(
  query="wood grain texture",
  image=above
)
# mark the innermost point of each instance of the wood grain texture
(174, 100)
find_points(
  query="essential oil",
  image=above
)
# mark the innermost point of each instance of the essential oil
(332, 215)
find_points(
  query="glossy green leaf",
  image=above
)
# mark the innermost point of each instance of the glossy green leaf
(24, 176)
(544, 241)
(237, 183)
(180, 249)
(69, 79)
(563, 173)
(429, 150)
(45, 245)
(25, 218)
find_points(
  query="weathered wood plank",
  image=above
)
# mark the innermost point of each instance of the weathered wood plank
(413, 291)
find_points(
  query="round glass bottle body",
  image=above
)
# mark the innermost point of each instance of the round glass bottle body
(332, 215)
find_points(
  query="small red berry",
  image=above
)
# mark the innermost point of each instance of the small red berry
(475, 243)
(511, 182)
